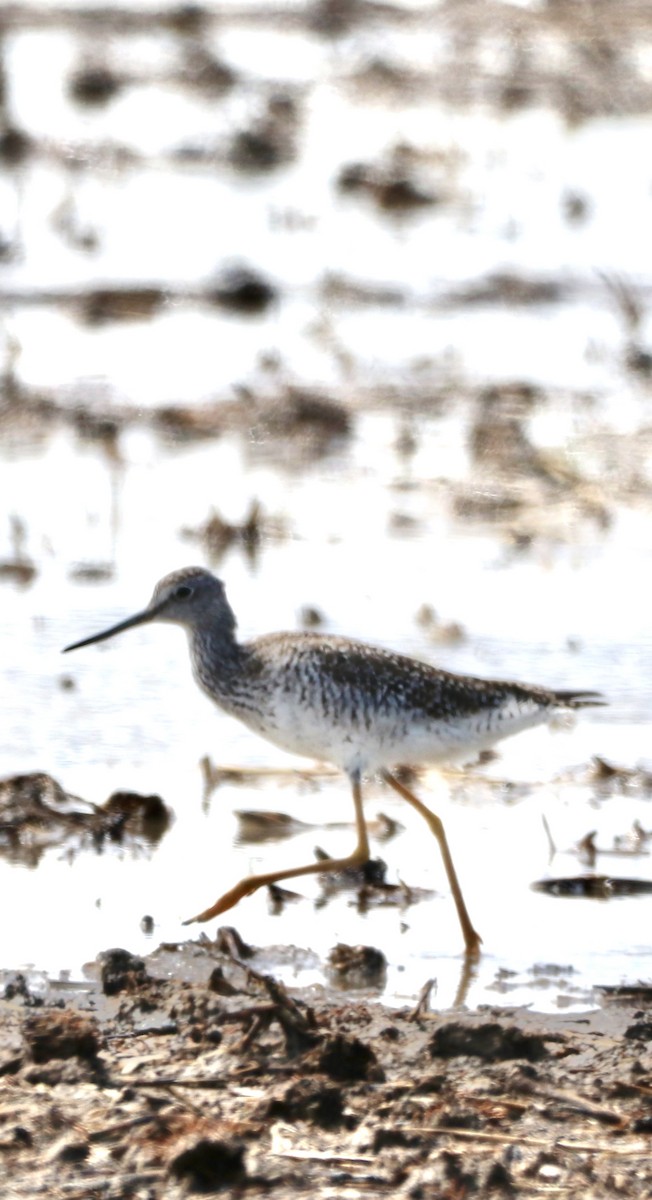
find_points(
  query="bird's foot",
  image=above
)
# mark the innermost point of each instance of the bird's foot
(473, 942)
(225, 902)
(214, 911)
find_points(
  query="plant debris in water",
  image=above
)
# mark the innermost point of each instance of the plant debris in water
(36, 813)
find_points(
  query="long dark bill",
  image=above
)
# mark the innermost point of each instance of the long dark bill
(141, 618)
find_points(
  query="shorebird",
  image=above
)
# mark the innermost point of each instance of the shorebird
(362, 708)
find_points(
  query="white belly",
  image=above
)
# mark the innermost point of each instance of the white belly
(388, 742)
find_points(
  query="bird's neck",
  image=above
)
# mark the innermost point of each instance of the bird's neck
(216, 658)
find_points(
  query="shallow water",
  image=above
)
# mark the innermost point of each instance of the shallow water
(134, 719)
(375, 309)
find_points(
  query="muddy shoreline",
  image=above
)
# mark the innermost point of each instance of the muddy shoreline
(193, 1072)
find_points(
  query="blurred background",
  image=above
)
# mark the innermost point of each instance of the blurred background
(350, 302)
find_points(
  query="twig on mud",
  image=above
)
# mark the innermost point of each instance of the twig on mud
(421, 1007)
(103, 1184)
(562, 1096)
(324, 1156)
(582, 1105)
(533, 1143)
(173, 1092)
(297, 1023)
(117, 1128)
(552, 849)
(260, 1022)
(217, 1085)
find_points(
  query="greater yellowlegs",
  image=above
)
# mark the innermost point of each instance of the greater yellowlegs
(362, 708)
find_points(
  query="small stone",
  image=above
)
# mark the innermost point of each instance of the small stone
(310, 617)
(549, 1172)
(243, 290)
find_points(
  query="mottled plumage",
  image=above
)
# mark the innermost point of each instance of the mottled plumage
(359, 707)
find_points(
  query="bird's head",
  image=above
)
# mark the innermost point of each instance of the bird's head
(190, 597)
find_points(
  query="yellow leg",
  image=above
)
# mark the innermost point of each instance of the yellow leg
(253, 882)
(472, 940)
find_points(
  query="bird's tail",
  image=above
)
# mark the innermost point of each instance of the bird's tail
(572, 699)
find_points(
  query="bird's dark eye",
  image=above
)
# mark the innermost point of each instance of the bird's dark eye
(182, 591)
